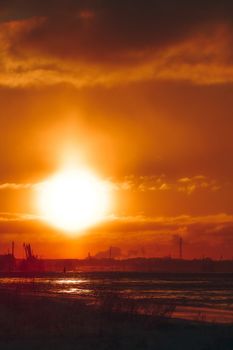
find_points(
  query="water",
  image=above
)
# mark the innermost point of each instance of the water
(210, 292)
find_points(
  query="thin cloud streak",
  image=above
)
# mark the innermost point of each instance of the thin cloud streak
(142, 183)
(187, 185)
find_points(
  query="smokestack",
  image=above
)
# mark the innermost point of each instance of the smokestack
(13, 248)
(110, 252)
(181, 248)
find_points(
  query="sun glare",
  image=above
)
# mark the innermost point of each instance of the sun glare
(73, 200)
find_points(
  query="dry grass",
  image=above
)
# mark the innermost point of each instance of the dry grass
(115, 302)
(114, 321)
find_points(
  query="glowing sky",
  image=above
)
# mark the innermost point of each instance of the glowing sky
(139, 91)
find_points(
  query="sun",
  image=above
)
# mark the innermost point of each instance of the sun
(73, 200)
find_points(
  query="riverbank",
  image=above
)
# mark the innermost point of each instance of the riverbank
(30, 322)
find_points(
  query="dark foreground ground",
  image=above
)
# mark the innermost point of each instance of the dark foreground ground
(29, 322)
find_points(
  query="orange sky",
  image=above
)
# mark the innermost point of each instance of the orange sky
(139, 92)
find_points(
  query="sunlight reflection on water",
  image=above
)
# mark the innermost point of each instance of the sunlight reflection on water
(210, 292)
(206, 290)
(70, 281)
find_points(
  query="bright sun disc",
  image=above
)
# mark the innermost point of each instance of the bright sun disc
(73, 200)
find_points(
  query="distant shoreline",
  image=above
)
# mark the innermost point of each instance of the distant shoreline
(155, 265)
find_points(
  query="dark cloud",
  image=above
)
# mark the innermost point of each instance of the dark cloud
(130, 22)
(88, 43)
(117, 28)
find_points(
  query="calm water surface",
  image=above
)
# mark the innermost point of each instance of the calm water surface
(214, 290)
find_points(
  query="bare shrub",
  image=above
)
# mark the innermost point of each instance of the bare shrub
(116, 303)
